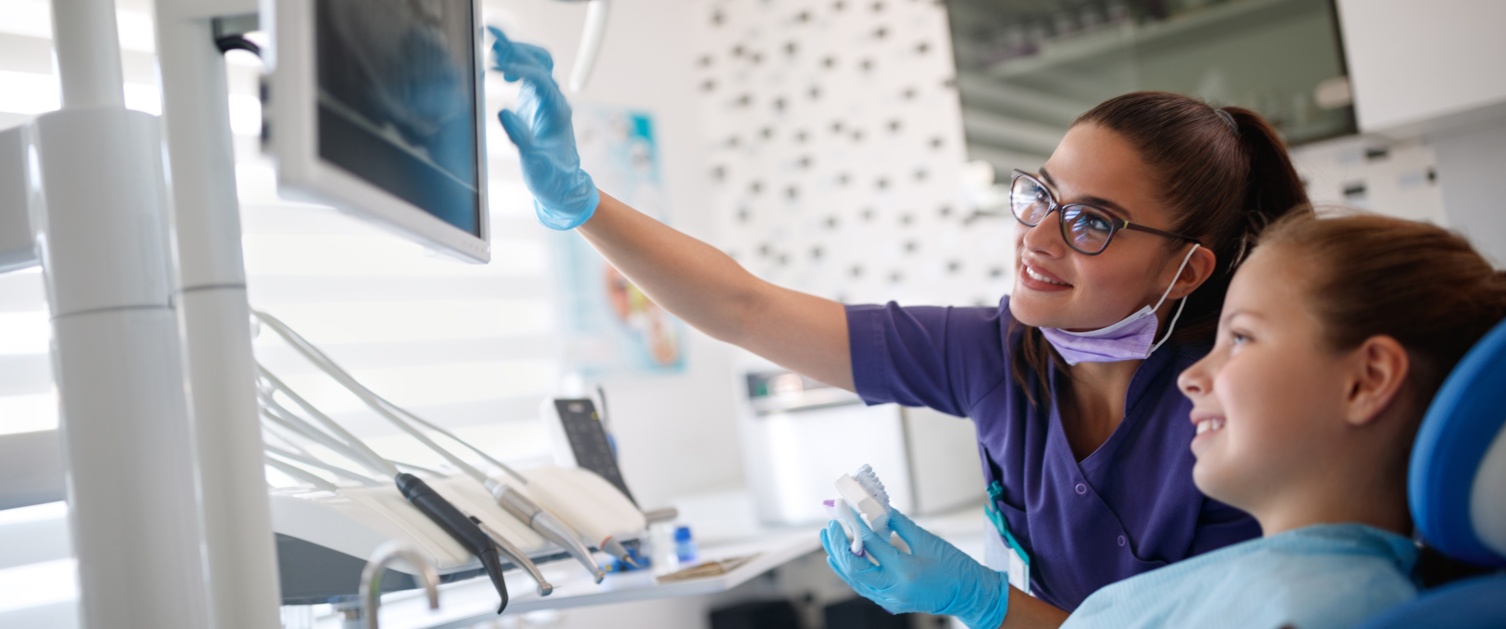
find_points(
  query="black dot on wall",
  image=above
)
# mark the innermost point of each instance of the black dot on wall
(923, 47)
(895, 125)
(949, 84)
(705, 61)
(856, 271)
(866, 65)
(867, 214)
(944, 211)
(801, 136)
(880, 33)
(836, 126)
(756, 58)
(996, 272)
(717, 18)
(803, 17)
(838, 5)
(755, 187)
(766, 133)
(878, 7)
(814, 92)
(829, 62)
(738, 50)
(911, 246)
(719, 173)
(882, 183)
(764, 250)
(804, 161)
(744, 215)
(953, 266)
(792, 192)
(857, 135)
(791, 47)
(734, 142)
(708, 85)
(906, 219)
(832, 222)
(843, 179)
(784, 259)
(779, 104)
(908, 94)
(817, 252)
(744, 100)
(938, 142)
(1432, 175)
(896, 277)
(921, 174)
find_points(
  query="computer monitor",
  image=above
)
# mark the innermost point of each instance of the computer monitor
(375, 107)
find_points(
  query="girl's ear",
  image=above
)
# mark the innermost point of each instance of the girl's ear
(1200, 267)
(1381, 366)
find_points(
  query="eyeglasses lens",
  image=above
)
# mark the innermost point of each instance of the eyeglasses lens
(1029, 200)
(1087, 230)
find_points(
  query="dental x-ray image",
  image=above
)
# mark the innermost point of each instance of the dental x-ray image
(397, 101)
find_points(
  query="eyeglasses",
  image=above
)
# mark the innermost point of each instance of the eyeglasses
(1088, 230)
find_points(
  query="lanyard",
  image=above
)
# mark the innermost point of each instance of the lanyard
(1018, 559)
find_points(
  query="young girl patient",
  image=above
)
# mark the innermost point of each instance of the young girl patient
(1335, 335)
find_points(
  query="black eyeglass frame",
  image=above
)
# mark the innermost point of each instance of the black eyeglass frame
(1115, 223)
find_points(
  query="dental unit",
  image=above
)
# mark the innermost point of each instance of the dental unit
(540, 497)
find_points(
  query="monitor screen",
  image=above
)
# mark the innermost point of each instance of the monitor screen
(397, 104)
(374, 107)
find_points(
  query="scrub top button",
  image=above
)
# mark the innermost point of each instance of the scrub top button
(1121, 540)
(1081, 489)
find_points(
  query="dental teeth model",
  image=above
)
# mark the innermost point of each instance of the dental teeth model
(866, 495)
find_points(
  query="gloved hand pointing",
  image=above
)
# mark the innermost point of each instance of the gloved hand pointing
(936, 578)
(563, 195)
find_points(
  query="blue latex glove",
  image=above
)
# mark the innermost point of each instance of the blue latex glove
(935, 578)
(563, 195)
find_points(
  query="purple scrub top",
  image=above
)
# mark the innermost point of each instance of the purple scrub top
(1128, 508)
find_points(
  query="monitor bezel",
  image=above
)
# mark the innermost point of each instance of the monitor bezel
(303, 175)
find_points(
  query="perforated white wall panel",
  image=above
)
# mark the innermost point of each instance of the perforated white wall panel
(835, 146)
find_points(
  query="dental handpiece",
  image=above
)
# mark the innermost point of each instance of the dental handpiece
(517, 556)
(428, 501)
(546, 524)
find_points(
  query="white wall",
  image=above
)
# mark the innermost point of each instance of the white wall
(1474, 192)
(675, 434)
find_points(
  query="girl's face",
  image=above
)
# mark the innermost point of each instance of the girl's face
(1267, 398)
(1057, 287)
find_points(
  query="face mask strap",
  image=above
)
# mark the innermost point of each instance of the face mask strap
(1180, 306)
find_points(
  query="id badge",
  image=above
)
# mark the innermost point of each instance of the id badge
(1016, 562)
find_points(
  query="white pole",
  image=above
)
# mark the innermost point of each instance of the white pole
(238, 533)
(89, 65)
(102, 235)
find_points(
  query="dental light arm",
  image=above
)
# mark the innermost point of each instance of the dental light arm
(590, 44)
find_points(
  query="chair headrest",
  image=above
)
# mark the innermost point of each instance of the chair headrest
(1457, 483)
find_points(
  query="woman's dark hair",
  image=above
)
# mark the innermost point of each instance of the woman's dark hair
(1222, 183)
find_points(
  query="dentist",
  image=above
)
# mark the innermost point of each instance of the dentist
(1127, 239)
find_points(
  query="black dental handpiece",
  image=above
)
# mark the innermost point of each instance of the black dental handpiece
(458, 526)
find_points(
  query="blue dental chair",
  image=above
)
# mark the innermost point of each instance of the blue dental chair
(1457, 490)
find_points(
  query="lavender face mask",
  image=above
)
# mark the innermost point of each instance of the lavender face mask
(1132, 338)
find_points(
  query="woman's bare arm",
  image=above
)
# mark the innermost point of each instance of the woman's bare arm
(709, 290)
